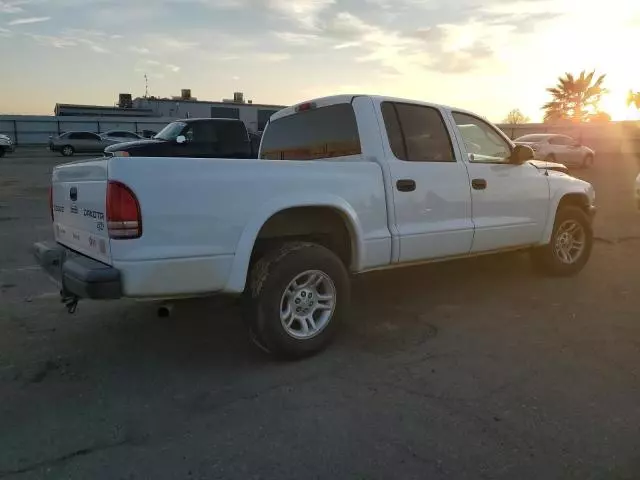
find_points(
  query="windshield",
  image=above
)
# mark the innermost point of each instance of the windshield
(171, 131)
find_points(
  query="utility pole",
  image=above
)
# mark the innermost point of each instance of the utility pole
(146, 86)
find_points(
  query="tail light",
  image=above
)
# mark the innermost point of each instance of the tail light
(51, 201)
(123, 212)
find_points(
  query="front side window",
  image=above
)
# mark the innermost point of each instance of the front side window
(318, 133)
(417, 133)
(171, 131)
(482, 141)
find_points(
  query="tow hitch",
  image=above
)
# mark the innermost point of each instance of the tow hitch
(70, 301)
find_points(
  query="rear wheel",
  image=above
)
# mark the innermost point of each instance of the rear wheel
(67, 150)
(570, 247)
(297, 297)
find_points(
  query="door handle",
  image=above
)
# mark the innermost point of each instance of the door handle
(406, 185)
(479, 183)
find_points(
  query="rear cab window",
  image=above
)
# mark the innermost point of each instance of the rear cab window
(318, 133)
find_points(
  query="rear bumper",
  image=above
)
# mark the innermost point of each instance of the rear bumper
(78, 275)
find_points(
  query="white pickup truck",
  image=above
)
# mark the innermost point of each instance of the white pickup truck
(343, 185)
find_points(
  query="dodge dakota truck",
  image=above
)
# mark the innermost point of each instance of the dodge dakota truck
(343, 185)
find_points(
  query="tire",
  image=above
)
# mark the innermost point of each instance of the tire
(549, 260)
(588, 161)
(1, 151)
(67, 150)
(287, 269)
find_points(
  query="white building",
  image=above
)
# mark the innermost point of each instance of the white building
(254, 116)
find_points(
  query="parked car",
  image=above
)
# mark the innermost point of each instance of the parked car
(558, 148)
(6, 145)
(79, 142)
(343, 185)
(476, 141)
(121, 135)
(196, 137)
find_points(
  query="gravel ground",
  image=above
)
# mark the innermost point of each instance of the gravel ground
(474, 369)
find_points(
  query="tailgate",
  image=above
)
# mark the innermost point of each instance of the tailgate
(79, 192)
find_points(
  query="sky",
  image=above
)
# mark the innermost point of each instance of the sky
(488, 56)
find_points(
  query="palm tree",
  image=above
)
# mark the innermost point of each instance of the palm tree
(574, 99)
(634, 99)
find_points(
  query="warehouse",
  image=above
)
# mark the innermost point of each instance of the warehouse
(255, 116)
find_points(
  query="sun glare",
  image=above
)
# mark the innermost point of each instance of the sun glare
(615, 104)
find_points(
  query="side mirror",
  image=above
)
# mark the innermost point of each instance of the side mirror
(521, 154)
(180, 139)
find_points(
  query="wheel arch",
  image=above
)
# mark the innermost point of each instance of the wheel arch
(578, 199)
(271, 222)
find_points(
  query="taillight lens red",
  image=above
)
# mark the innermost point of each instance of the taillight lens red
(123, 212)
(51, 201)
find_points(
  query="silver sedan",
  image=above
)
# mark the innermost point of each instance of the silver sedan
(80, 142)
(558, 148)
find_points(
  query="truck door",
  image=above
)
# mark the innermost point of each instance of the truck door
(430, 183)
(510, 202)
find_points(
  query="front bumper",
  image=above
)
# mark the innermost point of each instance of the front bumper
(8, 147)
(591, 211)
(78, 275)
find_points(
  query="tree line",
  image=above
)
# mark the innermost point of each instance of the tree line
(574, 99)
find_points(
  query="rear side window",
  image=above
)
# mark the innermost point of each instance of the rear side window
(417, 133)
(232, 133)
(325, 132)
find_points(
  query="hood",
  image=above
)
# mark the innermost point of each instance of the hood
(542, 165)
(119, 147)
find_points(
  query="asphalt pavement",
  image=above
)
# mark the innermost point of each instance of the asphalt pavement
(475, 369)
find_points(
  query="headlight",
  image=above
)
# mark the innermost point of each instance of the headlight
(120, 154)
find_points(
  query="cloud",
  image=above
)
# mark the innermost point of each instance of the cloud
(295, 38)
(11, 7)
(152, 62)
(5, 32)
(173, 68)
(462, 60)
(140, 50)
(54, 41)
(303, 12)
(272, 57)
(29, 20)
(173, 44)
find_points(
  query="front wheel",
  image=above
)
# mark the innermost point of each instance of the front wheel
(67, 150)
(570, 247)
(297, 297)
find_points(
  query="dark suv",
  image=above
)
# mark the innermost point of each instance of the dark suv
(196, 137)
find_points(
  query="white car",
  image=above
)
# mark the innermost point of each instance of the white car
(6, 145)
(121, 135)
(558, 148)
(343, 185)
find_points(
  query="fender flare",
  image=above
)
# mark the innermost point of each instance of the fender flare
(553, 210)
(240, 266)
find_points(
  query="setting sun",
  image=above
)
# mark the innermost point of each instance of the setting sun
(615, 104)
